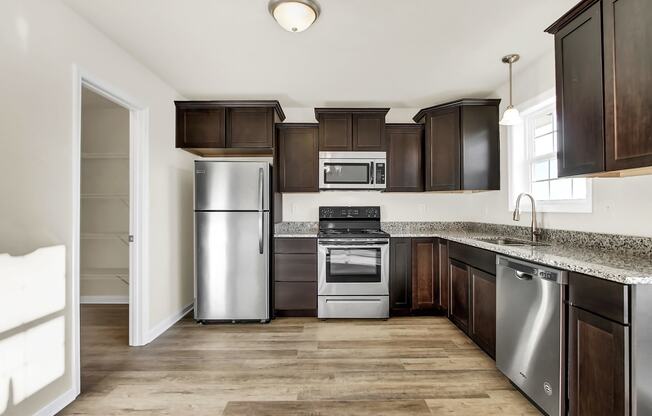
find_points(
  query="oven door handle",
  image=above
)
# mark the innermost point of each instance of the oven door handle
(349, 245)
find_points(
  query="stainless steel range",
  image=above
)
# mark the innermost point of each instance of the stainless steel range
(353, 263)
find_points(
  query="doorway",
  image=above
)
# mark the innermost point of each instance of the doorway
(109, 284)
(104, 227)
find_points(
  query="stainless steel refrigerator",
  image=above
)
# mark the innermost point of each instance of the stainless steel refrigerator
(232, 231)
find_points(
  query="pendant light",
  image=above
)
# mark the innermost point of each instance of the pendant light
(511, 116)
(294, 15)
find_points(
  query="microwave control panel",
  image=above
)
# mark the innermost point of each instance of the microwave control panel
(380, 173)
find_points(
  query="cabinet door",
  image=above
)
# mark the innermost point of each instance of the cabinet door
(424, 273)
(628, 83)
(400, 275)
(578, 60)
(443, 278)
(335, 132)
(296, 296)
(405, 158)
(483, 310)
(459, 299)
(598, 380)
(298, 159)
(480, 148)
(250, 127)
(368, 132)
(443, 150)
(200, 127)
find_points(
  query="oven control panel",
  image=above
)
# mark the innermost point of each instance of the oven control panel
(349, 212)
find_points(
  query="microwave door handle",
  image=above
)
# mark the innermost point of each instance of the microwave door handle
(371, 173)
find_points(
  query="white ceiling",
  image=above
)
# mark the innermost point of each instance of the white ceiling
(396, 53)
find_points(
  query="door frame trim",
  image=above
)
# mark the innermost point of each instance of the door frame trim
(138, 205)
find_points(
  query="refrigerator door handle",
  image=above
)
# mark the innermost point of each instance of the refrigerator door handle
(261, 175)
(261, 226)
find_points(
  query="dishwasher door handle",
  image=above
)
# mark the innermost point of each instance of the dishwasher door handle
(522, 275)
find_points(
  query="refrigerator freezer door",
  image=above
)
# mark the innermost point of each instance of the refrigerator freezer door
(231, 186)
(231, 274)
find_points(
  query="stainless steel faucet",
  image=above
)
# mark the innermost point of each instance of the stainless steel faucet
(535, 232)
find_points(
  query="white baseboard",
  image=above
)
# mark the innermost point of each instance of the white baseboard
(167, 323)
(101, 300)
(58, 404)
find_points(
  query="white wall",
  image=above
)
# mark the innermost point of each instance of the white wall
(40, 40)
(620, 205)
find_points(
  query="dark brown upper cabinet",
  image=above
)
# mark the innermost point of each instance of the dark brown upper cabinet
(215, 127)
(404, 157)
(298, 157)
(200, 126)
(250, 127)
(346, 129)
(462, 147)
(604, 84)
(580, 120)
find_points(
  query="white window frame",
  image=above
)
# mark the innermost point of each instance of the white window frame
(521, 159)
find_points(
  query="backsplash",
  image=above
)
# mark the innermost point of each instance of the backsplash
(630, 245)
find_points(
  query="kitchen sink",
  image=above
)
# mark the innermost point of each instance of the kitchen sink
(507, 241)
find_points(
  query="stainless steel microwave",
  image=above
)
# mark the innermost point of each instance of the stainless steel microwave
(352, 170)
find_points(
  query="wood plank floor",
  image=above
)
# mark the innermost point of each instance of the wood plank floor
(293, 366)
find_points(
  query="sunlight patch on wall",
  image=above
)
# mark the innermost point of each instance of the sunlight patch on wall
(32, 323)
(33, 286)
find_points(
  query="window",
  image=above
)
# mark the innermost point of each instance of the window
(534, 164)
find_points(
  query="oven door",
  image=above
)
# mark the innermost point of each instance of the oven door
(360, 268)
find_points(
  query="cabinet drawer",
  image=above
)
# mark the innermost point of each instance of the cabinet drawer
(295, 295)
(295, 267)
(602, 297)
(295, 245)
(476, 257)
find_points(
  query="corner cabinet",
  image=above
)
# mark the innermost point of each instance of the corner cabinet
(298, 157)
(213, 128)
(462, 145)
(351, 129)
(604, 80)
(404, 157)
(473, 293)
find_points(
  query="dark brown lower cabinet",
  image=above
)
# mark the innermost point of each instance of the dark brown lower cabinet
(295, 277)
(443, 279)
(459, 298)
(598, 365)
(483, 310)
(400, 276)
(424, 273)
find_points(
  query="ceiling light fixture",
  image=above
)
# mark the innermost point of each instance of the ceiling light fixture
(294, 15)
(511, 116)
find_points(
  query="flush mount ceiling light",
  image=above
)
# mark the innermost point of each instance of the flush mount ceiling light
(294, 15)
(511, 116)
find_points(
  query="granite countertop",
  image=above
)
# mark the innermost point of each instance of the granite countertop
(296, 234)
(608, 265)
(622, 259)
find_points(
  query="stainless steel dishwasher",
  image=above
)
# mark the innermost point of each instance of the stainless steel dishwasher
(530, 328)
